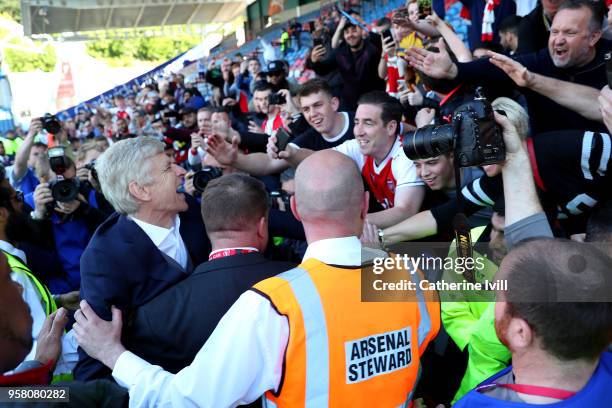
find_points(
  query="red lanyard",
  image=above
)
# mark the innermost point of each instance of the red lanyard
(222, 253)
(539, 391)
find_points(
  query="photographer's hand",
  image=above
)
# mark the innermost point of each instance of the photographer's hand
(68, 207)
(424, 117)
(35, 127)
(42, 197)
(519, 188)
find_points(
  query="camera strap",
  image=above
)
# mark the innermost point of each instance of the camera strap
(463, 240)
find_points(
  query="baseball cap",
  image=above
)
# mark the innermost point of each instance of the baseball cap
(275, 66)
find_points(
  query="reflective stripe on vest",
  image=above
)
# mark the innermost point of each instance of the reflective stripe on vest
(317, 346)
(45, 296)
(425, 324)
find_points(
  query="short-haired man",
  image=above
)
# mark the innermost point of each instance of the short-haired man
(235, 212)
(356, 60)
(508, 33)
(304, 338)
(556, 319)
(561, 83)
(153, 241)
(21, 174)
(273, 119)
(329, 128)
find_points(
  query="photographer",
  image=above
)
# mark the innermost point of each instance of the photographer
(88, 177)
(21, 173)
(66, 219)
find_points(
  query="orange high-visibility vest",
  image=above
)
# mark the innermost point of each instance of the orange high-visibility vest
(342, 351)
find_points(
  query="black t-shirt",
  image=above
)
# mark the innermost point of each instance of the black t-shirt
(313, 140)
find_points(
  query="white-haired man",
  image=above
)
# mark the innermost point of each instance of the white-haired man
(154, 241)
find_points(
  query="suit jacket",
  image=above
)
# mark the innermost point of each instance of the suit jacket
(121, 266)
(170, 330)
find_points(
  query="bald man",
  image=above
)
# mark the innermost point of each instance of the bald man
(302, 338)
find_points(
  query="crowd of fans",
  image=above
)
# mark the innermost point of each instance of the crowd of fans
(134, 228)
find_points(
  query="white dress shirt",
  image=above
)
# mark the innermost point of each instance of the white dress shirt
(167, 240)
(242, 359)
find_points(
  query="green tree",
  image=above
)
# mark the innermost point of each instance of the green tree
(11, 8)
(23, 61)
(152, 49)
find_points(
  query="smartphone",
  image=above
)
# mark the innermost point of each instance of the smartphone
(387, 33)
(608, 59)
(282, 139)
(317, 41)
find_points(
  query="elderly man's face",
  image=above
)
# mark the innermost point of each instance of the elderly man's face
(167, 178)
(571, 43)
(15, 320)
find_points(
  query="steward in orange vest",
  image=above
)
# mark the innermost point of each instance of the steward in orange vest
(342, 351)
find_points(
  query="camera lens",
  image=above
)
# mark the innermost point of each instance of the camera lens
(203, 177)
(429, 141)
(64, 190)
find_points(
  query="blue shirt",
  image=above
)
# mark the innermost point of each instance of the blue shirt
(596, 393)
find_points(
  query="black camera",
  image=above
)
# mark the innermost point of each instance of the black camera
(276, 99)
(51, 124)
(202, 177)
(473, 136)
(62, 189)
(92, 170)
(273, 199)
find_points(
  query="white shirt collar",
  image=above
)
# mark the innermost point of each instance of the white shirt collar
(344, 251)
(156, 233)
(10, 249)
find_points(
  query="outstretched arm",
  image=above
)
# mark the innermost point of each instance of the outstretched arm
(579, 98)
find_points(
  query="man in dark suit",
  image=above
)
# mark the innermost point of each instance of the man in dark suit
(170, 329)
(151, 244)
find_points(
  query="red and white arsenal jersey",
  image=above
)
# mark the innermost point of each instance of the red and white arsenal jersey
(394, 172)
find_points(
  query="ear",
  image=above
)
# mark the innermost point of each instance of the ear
(294, 209)
(139, 192)
(392, 127)
(335, 103)
(262, 226)
(594, 37)
(520, 334)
